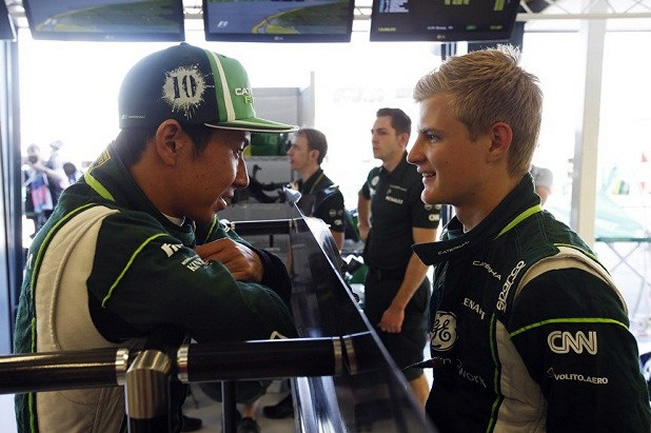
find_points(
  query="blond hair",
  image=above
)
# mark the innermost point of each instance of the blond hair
(488, 86)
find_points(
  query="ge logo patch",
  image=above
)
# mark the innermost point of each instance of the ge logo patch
(183, 90)
(375, 180)
(444, 331)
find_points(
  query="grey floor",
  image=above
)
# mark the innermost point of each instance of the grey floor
(209, 411)
(204, 408)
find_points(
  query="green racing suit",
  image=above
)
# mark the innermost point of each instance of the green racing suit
(528, 329)
(108, 269)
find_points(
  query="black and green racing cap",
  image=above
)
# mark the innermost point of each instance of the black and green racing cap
(194, 86)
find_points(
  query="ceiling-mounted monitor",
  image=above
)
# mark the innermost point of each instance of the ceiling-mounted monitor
(7, 31)
(442, 20)
(106, 20)
(278, 20)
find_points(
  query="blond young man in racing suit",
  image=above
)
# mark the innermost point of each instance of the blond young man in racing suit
(528, 330)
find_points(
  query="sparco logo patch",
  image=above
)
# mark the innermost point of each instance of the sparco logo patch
(501, 299)
(563, 341)
(183, 90)
(444, 331)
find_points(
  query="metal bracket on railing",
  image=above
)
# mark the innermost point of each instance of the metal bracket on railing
(147, 392)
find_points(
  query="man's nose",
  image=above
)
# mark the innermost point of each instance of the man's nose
(415, 153)
(242, 175)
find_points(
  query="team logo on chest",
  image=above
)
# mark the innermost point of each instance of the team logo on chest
(444, 331)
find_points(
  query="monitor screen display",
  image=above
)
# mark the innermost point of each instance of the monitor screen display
(278, 20)
(442, 20)
(106, 20)
(7, 32)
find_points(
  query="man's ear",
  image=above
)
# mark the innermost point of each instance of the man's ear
(501, 136)
(314, 154)
(168, 140)
(403, 139)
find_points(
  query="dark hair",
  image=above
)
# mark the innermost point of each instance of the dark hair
(316, 140)
(69, 168)
(399, 119)
(131, 142)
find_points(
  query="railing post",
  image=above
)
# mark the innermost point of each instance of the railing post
(229, 407)
(147, 393)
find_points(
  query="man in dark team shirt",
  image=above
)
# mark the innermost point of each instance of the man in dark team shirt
(392, 218)
(320, 197)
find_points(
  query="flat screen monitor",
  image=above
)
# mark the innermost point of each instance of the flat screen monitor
(278, 20)
(7, 32)
(516, 39)
(106, 20)
(442, 20)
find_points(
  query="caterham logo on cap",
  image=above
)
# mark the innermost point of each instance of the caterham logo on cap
(183, 90)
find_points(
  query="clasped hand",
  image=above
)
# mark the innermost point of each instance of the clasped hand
(243, 263)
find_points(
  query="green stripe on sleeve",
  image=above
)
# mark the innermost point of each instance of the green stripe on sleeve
(97, 186)
(129, 263)
(496, 376)
(517, 220)
(568, 320)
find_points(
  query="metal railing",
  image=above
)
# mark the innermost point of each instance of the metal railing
(146, 374)
(342, 377)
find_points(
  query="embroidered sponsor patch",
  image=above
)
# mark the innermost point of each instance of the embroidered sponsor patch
(444, 331)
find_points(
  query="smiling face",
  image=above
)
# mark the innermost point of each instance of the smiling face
(209, 179)
(452, 165)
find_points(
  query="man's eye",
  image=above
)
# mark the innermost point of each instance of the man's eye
(240, 150)
(430, 136)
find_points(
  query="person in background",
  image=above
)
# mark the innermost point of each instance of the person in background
(320, 197)
(145, 253)
(391, 218)
(71, 171)
(528, 330)
(543, 179)
(54, 160)
(43, 185)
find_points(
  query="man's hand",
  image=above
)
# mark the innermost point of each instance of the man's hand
(243, 262)
(392, 320)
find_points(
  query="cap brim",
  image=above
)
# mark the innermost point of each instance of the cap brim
(253, 124)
